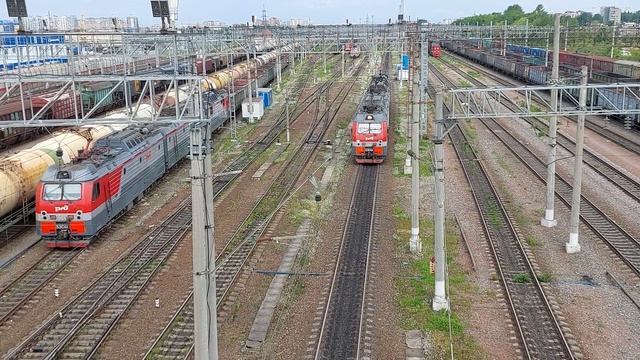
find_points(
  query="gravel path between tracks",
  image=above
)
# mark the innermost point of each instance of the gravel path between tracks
(120, 237)
(601, 317)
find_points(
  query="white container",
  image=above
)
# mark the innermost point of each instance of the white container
(256, 111)
(403, 75)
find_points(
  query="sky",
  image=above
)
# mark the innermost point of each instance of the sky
(319, 11)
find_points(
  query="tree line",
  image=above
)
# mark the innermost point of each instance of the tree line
(515, 15)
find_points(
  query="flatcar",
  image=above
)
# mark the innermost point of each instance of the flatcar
(74, 202)
(370, 125)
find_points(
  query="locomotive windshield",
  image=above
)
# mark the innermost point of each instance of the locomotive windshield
(54, 192)
(365, 128)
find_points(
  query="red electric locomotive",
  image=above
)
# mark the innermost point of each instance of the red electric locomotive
(434, 50)
(74, 202)
(370, 125)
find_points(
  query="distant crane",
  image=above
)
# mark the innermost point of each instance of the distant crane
(401, 12)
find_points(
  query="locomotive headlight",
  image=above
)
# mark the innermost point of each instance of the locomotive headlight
(79, 214)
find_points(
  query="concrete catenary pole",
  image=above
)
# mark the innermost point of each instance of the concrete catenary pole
(613, 39)
(526, 32)
(504, 40)
(440, 301)
(573, 246)
(286, 104)
(424, 75)
(204, 281)
(549, 219)
(414, 243)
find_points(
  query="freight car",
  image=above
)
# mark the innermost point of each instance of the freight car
(370, 125)
(594, 63)
(540, 75)
(62, 108)
(74, 202)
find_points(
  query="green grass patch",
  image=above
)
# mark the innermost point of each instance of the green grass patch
(415, 285)
(474, 74)
(532, 241)
(494, 214)
(503, 164)
(545, 277)
(470, 130)
(522, 278)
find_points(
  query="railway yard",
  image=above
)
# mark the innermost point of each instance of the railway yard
(304, 162)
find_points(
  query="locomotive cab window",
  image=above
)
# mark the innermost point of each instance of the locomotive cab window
(366, 128)
(52, 192)
(96, 191)
(56, 192)
(72, 192)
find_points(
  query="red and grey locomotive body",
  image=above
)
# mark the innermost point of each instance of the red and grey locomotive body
(370, 125)
(74, 202)
(435, 50)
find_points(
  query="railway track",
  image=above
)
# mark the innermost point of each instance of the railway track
(341, 331)
(590, 124)
(624, 182)
(540, 334)
(20, 290)
(90, 324)
(619, 241)
(176, 339)
(15, 295)
(77, 329)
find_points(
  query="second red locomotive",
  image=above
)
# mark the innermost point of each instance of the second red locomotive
(434, 50)
(370, 125)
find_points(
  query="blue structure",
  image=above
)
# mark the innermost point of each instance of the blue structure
(13, 40)
(267, 96)
(7, 26)
(405, 61)
(9, 39)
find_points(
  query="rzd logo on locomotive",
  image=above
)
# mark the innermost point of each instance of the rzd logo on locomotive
(62, 208)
